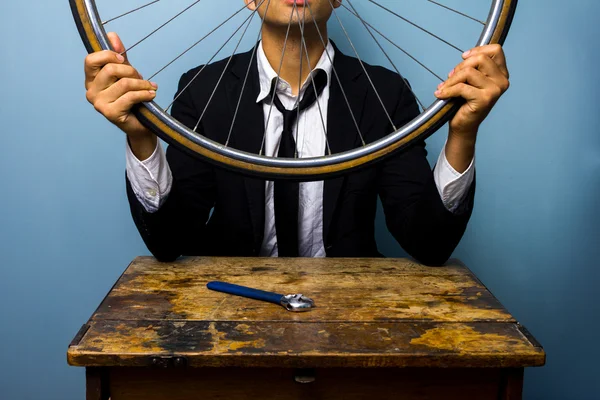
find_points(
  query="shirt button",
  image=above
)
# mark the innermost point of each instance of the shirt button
(152, 193)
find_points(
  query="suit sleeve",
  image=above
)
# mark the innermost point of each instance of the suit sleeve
(414, 212)
(178, 227)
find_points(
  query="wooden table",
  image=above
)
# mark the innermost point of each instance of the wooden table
(382, 329)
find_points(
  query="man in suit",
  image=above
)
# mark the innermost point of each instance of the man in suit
(172, 195)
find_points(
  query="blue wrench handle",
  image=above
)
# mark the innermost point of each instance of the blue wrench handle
(245, 291)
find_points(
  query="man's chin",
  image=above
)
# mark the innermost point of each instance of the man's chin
(283, 20)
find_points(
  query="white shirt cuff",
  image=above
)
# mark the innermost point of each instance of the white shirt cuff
(452, 186)
(151, 179)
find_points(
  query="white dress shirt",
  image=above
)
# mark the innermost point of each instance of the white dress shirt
(151, 179)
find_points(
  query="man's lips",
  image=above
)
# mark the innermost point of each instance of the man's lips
(298, 2)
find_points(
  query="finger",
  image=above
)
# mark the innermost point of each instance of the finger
(493, 51)
(111, 73)
(129, 99)
(470, 76)
(117, 44)
(463, 90)
(123, 86)
(119, 111)
(481, 62)
(484, 64)
(94, 63)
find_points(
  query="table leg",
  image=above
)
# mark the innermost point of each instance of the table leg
(97, 385)
(512, 384)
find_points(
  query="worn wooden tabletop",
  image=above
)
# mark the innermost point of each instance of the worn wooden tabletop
(370, 313)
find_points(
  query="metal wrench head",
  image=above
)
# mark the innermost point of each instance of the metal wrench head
(297, 303)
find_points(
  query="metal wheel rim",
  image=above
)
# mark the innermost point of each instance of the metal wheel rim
(175, 133)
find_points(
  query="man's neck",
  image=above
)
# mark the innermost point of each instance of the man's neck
(273, 40)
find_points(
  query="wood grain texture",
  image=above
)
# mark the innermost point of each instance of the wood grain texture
(370, 313)
(289, 344)
(344, 290)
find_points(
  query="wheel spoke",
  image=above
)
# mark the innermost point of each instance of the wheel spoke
(227, 64)
(416, 25)
(197, 43)
(396, 45)
(363, 66)
(312, 78)
(457, 12)
(209, 61)
(237, 107)
(300, 23)
(384, 52)
(274, 88)
(130, 12)
(162, 26)
(336, 74)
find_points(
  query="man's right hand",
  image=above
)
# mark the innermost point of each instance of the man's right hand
(113, 88)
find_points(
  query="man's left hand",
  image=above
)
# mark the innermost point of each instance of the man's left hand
(480, 79)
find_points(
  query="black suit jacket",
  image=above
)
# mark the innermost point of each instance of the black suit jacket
(414, 212)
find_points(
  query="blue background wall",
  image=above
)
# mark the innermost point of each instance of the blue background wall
(66, 233)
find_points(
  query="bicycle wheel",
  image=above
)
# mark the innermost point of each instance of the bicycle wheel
(492, 29)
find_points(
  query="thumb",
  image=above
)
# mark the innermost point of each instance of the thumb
(117, 44)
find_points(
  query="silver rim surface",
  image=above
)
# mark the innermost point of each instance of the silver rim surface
(287, 163)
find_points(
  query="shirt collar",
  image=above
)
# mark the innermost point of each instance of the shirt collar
(267, 74)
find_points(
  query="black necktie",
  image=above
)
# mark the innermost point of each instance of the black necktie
(286, 192)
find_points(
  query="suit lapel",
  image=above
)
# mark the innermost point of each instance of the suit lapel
(248, 133)
(341, 130)
(249, 129)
